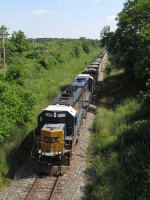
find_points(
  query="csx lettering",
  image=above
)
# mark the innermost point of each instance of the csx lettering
(48, 115)
(51, 140)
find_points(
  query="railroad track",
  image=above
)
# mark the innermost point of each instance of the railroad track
(43, 187)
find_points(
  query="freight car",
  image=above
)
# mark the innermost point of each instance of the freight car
(92, 72)
(96, 67)
(59, 125)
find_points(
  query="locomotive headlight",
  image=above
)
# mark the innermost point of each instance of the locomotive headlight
(39, 151)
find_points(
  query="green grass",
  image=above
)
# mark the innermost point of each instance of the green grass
(121, 139)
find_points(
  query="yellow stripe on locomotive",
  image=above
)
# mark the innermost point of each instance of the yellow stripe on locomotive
(52, 141)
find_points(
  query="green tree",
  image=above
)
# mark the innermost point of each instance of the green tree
(76, 51)
(126, 39)
(19, 41)
(129, 45)
(85, 47)
(104, 35)
(16, 74)
(16, 106)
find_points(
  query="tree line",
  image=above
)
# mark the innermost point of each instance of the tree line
(129, 44)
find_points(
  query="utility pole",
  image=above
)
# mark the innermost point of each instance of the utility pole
(3, 33)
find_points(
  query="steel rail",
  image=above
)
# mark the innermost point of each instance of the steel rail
(54, 188)
(32, 189)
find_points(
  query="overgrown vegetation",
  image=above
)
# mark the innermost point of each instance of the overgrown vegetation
(120, 161)
(36, 72)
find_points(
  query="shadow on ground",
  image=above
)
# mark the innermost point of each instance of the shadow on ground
(115, 89)
(19, 155)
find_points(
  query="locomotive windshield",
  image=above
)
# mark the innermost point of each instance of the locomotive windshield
(53, 117)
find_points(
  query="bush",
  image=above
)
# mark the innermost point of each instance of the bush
(76, 51)
(15, 105)
(32, 55)
(43, 63)
(85, 47)
(108, 69)
(2, 76)
(15, 74)
(59, 59)
(16, 60)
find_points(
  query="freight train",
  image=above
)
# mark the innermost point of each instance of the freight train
(59, 124)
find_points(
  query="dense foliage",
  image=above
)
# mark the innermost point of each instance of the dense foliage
(130, 43)
(15, 106)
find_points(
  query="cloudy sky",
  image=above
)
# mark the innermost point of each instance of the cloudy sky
(59, 18)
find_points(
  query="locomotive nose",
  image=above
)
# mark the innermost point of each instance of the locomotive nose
(52, 141)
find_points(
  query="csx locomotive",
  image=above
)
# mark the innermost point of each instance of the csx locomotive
(59, 124)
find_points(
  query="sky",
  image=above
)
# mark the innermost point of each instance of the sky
(59, 18)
